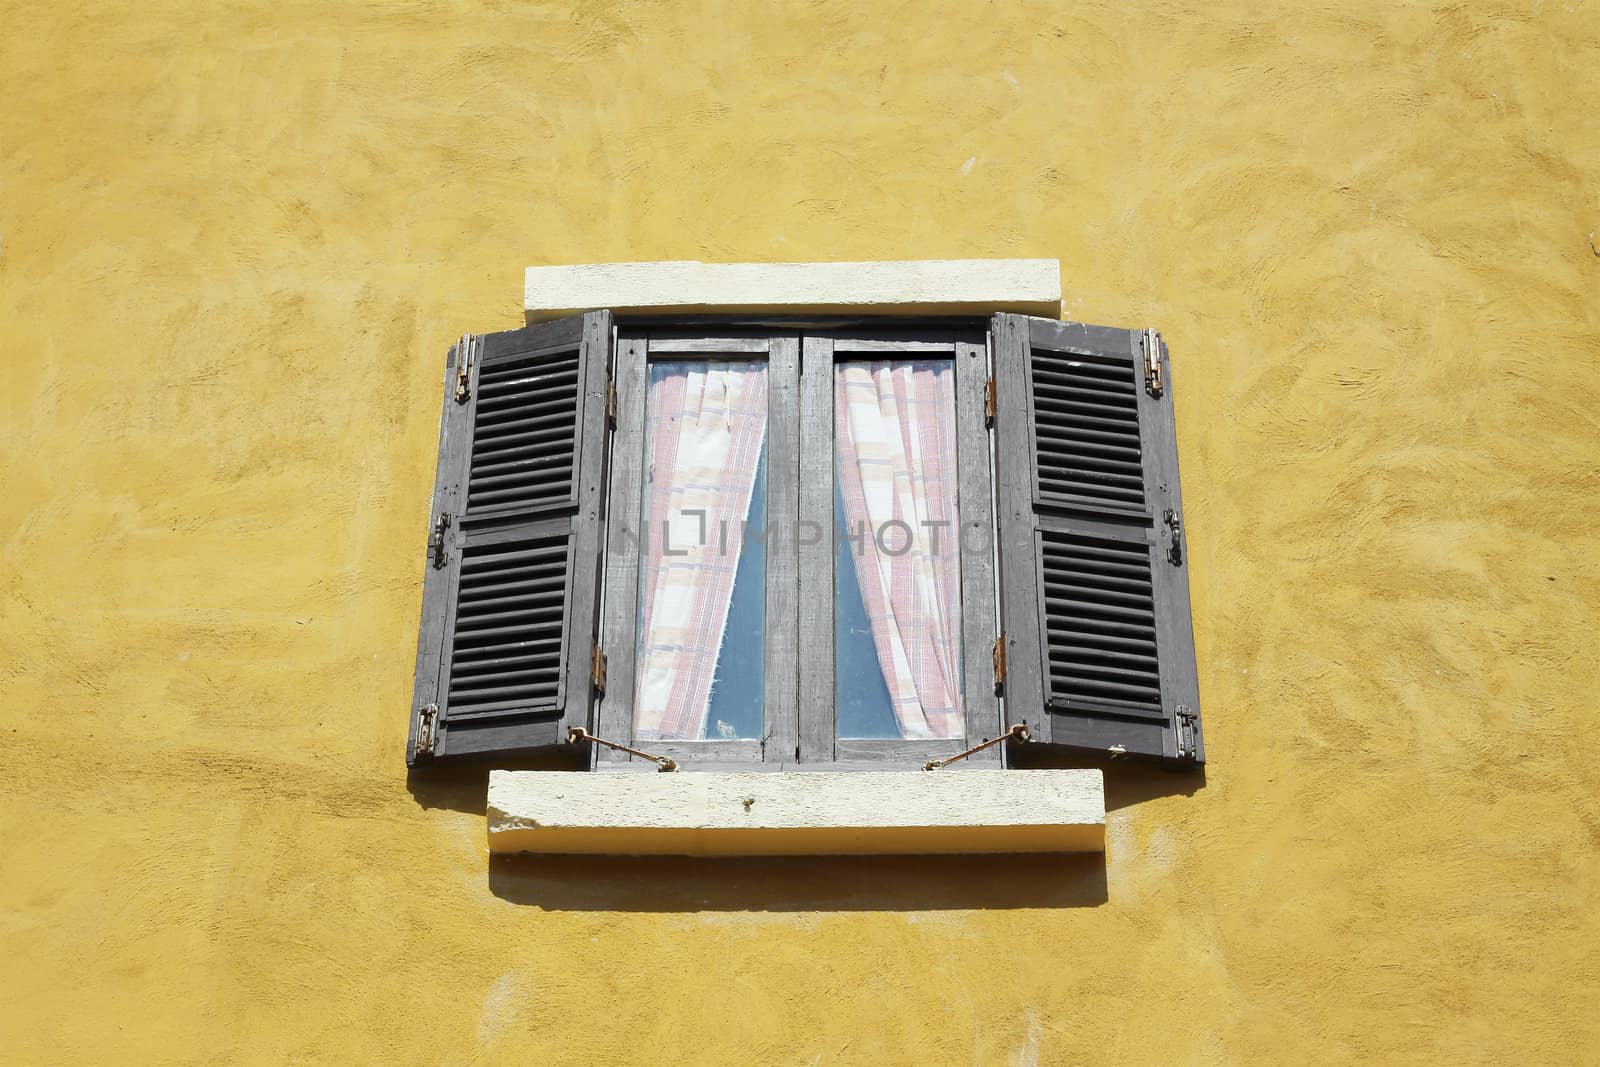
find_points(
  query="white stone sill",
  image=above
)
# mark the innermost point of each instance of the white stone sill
(885, 287)
(784, 814)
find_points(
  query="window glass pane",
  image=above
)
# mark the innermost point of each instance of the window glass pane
(897, 575)
(702, 580)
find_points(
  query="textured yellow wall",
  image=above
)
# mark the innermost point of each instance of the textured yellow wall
(236, 240)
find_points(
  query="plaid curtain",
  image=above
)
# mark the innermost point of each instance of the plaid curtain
(707, 424)
(897, 478)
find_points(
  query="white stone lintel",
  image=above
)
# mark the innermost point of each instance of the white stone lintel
(885, 287)
(811, 813)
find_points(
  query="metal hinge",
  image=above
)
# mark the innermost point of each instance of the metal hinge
(464, 366)
(427, 730)
(597, 670)
(1175, 527)
(611, 404)
(990, 401)
(1152, 362)
(1183, 721)
(999, 657)
(436, 539)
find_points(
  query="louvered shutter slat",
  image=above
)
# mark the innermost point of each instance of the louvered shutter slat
(1096, 615)
(527, 399)
(511, 612)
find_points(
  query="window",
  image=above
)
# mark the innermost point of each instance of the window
(743, 546)
(896, 567)
(702, 575)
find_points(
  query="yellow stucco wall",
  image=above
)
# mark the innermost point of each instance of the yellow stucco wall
(236, 240)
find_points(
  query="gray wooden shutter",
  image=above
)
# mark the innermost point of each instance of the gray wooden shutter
(1094, 586)
(507, 657)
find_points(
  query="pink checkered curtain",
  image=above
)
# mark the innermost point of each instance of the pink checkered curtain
(895, 425)
(707, 424)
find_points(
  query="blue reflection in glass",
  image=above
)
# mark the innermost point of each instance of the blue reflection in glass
(737, 689)
(860, 693)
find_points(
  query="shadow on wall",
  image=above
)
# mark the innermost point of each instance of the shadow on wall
(809, 883)
(799, 883)
(464, 787)
(1128, 781)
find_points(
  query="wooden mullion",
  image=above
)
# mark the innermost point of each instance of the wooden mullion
(815, 538)
(781, 720)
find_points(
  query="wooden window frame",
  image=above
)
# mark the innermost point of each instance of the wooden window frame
(824, 350)
(799, 726)
(636, 347)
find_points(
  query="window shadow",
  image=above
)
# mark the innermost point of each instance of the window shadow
(1128, 781)
(796, 883)
(1127, 785)
(464, 787)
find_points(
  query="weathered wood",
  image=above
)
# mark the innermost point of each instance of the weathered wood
(981, 708)
(977, 811)
(436, 584)
(580, 635)
(1023, 691)
(781, 728)
(558, 330)
(548, 341)
(906, 750)
(498, 348)
(976, 546)
(511, 740)
(629, 536)
(1180, 682)
(876, 760)
(1126, 700)
(799, 726)
(709, 345)
(902, 343)
(1078, 337)
(695, 755)
(1111, 734)
(624, 541)
(523, 716)
(815, 535)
